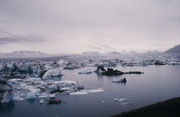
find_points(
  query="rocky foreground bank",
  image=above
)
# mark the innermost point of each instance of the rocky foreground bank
(169, 108)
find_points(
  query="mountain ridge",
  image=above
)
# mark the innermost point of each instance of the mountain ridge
(175, 49)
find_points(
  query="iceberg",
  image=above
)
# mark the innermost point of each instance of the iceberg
(86, 72)
(33, 94)
(120, 99)
(36, 88)
(52, 73)
(79, 93)
(6, 94)
(17, 98)
(85, 92)
(41, 101)
(6, 97)
(43, 96)
(95, 90)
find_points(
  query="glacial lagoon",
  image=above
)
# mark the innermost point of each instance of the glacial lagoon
(158, 83)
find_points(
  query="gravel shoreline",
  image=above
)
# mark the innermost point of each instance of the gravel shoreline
(168, 108)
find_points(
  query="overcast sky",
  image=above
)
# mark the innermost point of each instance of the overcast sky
(74, 26)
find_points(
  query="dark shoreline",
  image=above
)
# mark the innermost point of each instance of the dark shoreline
(168, 108)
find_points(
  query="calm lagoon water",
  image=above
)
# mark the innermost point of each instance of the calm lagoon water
(159, 83)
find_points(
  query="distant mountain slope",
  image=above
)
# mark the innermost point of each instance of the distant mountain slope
(175, 49)
(24, 54)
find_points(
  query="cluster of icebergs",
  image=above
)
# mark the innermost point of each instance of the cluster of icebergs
(24, 69)
(45, 69)
(36, 88)
(34, 79)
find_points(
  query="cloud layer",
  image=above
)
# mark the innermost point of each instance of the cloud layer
(74, 26)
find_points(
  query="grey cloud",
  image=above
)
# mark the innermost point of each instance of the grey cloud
(11, 38)
(128, 23)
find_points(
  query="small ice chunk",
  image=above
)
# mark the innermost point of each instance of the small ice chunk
(86, 72)
(95, 90)
(116, 99)
(84, 92)
(79, 93)
(41, 101)
(18, 98)
(126, 103)
(31, 96)
(120, 99)
(52, 96)
(103, 101)
(52, 87)
(43, 96)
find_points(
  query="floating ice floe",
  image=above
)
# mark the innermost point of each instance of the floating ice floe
(95, 90)
(52, 73)
(43, 96)
(85, 92)
(41, 101)
(120, 99)
(79, 93)
(126, 103)
(86, 72)
(123, 101)
(120, 81)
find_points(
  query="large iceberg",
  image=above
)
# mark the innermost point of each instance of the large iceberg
(52, 73)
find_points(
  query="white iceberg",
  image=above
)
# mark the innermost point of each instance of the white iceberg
(120, 99)
(52, 73)
(85, 92)
(41, 101)
(79, 93)
(95, 90)
(43, 96)
(33, 94)
(36, 88)
(14, 81)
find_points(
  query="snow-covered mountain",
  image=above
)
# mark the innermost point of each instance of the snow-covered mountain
(24, 54)
(175, 49)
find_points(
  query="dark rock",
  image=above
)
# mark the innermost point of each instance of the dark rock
(135, 72)
(109, 72)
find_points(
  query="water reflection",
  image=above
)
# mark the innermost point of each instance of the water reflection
(7, 107)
